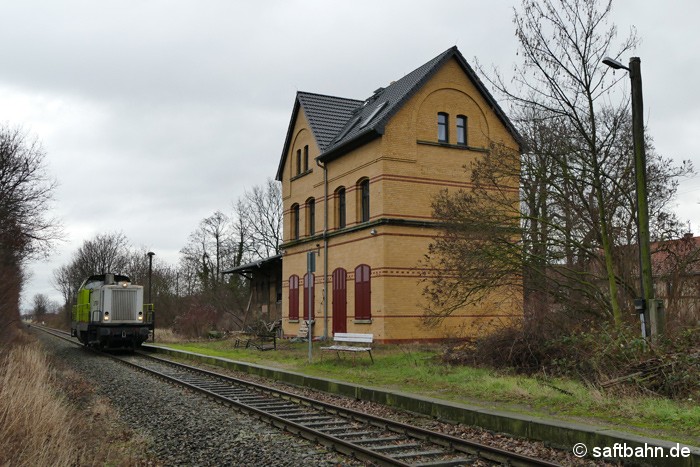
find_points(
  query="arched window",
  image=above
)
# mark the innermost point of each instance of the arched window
(310, 216)
(306, 158)
(461, 130)
(308, 282)
(363, 201)
(363, 292)
(295, 221)
(293, 297)
(340, 221)
(443, 124)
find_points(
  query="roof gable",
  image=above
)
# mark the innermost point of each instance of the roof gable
(326, 115)
(340, 125)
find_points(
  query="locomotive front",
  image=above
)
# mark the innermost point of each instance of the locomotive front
(110, 312)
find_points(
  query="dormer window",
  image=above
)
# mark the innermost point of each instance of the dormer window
(443, 122)
(461, 130)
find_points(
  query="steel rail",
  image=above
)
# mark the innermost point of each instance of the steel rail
(370, 446)
(456, 445)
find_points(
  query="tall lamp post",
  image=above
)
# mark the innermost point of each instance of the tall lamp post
(150, 273)
(150, 300)
(650, 310)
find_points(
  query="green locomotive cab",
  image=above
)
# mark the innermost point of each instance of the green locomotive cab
(110, 312)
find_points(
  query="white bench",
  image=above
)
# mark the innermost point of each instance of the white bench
(347, 338)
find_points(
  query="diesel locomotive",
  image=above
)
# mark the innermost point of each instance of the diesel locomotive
(110, 313)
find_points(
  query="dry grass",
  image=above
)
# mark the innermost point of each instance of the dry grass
(35, 425)
(47, 420)
(168, 336)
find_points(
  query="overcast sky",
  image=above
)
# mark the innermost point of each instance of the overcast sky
(154, 114)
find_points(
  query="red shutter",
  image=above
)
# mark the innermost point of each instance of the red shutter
(294, 297)
(340, 300)
(363, 301)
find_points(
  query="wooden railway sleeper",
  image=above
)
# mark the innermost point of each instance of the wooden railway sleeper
(303, 419)
(327, 423)
(392, 447)
(277, 403)
(345, 436)
(450, 463)
(285, 413)
(408, 455)
(381, 440)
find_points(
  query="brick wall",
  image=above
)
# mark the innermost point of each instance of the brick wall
(406, 168)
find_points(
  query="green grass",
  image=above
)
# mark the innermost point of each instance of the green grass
(416, 369)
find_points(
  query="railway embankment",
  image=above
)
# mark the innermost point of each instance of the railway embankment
(601, 439)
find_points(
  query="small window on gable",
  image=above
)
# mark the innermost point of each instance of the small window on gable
(298, 161)
(461, 130)
(295, 222)
(443, 122)
(306, 158)
(311, 216)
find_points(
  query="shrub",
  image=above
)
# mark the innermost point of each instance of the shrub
(197, 321)
(601, 356)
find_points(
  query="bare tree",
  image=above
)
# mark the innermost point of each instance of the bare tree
(216, 228)
(563, 242)
(40, 306)
(102, 254)
(25, 197)
(26, 230)
(196, 260)
(260, 220)
(563, 44)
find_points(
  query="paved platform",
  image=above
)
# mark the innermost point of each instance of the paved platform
(558, 433)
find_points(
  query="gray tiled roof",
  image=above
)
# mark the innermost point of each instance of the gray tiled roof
(339, 124)
(391, 98)
(326, 114)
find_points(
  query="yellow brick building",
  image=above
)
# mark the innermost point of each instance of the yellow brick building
(358, 178)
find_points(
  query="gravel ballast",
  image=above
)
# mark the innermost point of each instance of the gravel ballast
(184, 428)
(526, 447)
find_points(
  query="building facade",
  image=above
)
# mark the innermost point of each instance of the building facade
(265, 280)
(358, 178)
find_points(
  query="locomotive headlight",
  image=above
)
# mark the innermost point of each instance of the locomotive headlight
(140, 315)
(106, 316)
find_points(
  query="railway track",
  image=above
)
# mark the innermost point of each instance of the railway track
(356, 434)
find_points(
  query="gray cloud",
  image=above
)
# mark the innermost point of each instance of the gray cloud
(155, 114)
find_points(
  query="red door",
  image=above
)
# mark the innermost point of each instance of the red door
(340, 301)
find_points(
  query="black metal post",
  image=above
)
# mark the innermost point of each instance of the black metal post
(150, 299)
